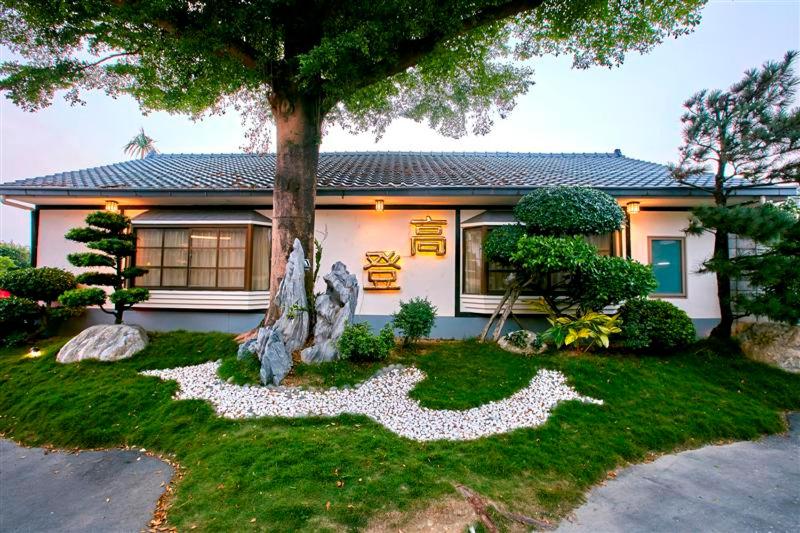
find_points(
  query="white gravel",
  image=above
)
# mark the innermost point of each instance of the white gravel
(384, 398)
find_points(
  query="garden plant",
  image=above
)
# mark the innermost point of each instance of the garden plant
(414, 319)
(113, 249)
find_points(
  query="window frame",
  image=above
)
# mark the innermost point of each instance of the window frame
(616, 249)
(248, 262)
(683, 264)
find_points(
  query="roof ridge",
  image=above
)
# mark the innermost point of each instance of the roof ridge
(391, 152)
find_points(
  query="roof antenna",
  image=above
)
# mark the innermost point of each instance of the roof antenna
(617, 152)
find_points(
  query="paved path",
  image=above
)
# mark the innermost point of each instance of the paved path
(109, 491)
(746, 486)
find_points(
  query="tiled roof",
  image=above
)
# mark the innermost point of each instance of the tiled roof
(363, 170)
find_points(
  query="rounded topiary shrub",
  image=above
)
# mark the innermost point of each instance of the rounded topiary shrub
(358, 343)
(560, 211)
(44, 284)
(415, 319)
(654, 325)
(19, 319)
(502, 241)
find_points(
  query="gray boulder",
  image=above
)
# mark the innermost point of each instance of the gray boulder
(108, 342)
(291, 298)
(774, 344)
(335, 309)
(276, 360)
(246, 349)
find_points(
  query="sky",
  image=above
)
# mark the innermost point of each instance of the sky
(635, 107)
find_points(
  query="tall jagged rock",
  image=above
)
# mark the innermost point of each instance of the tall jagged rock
(291, 298)
(276, 361)
(335, 309)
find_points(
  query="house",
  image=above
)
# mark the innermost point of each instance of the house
(407, 224)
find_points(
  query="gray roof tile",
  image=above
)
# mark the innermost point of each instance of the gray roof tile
(365, 170)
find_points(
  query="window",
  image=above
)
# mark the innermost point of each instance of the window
(667, 258)
(486, 277)
(226, 258)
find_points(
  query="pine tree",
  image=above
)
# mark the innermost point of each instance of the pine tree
(106, 234)
(746, 137)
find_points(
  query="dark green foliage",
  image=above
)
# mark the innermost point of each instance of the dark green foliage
(605, 281)
(743, 137)
(562, 211)
(43, 284)
(83, 297)
(538, 256)
(129, 296)
(90, 259)
(19, 319)
(6, 264)
(283, 471)
(97, 278)
(415, 319)
(358, 343)
(116, 246)
(501, 243)
(19, 254)
(656, 326)
(107, 232)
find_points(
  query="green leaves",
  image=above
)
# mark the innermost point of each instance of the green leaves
(113, 246)
(539, 256)
(98, 278)
(83, 297)
(569, 211)
(501, 243)
(38, 284)
(605, 281)
(589, 329)
(129, 297)
(90, 259)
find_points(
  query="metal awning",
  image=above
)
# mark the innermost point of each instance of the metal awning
(491, 218)
(200, 217)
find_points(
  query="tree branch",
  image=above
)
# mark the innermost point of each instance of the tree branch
(411, 51)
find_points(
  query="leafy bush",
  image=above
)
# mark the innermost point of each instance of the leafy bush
(590, 329)
(6, 264)
(358, 343)
(44, 284)
(538, 256)
(655, 324)
(20, 255)
(605, 281)
(562, 211)
(19, 319)
(415, 319)
(502, 241)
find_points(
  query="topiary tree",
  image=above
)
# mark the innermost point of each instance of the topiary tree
(114, 247)
(549, 254)
(656, 325)
(45, 285)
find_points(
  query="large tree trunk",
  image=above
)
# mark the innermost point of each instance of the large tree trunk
(722, 252)
(297, 121)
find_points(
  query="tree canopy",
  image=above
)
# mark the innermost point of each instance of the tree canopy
(354, 58)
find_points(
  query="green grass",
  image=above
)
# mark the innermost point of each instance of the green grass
(283, 472)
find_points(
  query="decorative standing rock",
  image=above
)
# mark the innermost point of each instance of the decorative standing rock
(110, 342)
(246, 349)
(291, 298)
(335, 309)
(276, 360)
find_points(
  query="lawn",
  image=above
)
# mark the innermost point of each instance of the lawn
(348, 472)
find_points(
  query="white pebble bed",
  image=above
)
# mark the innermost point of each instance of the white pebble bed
(383, 398)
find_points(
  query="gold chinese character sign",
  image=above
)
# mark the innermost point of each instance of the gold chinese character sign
(428, 236)
(382, 270)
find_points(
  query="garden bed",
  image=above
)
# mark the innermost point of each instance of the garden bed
(349, 471)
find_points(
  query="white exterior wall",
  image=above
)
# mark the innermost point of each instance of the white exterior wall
(701, 289)
(52, 247)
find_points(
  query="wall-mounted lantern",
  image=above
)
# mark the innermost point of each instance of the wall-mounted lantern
(632, 208)
(112, 206)
(379, 205)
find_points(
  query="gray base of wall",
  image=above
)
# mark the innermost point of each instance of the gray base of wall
(447, 327)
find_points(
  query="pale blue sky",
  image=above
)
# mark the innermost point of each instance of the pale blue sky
(635, 108)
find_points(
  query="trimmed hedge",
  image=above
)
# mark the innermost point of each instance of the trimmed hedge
(562, 211)
(655, 325)
(44, 284)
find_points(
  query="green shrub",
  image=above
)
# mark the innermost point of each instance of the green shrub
(415, 319)
(562, 211)
(501, 243)
(358, 343)
(518, 338)
(6, 264)
(538, 256)
(655, 324)
(19, 319)
(43, 284)
(20, 255)
(605, 281)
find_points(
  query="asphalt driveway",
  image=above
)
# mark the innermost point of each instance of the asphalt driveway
(109, 491)
(745, 486)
